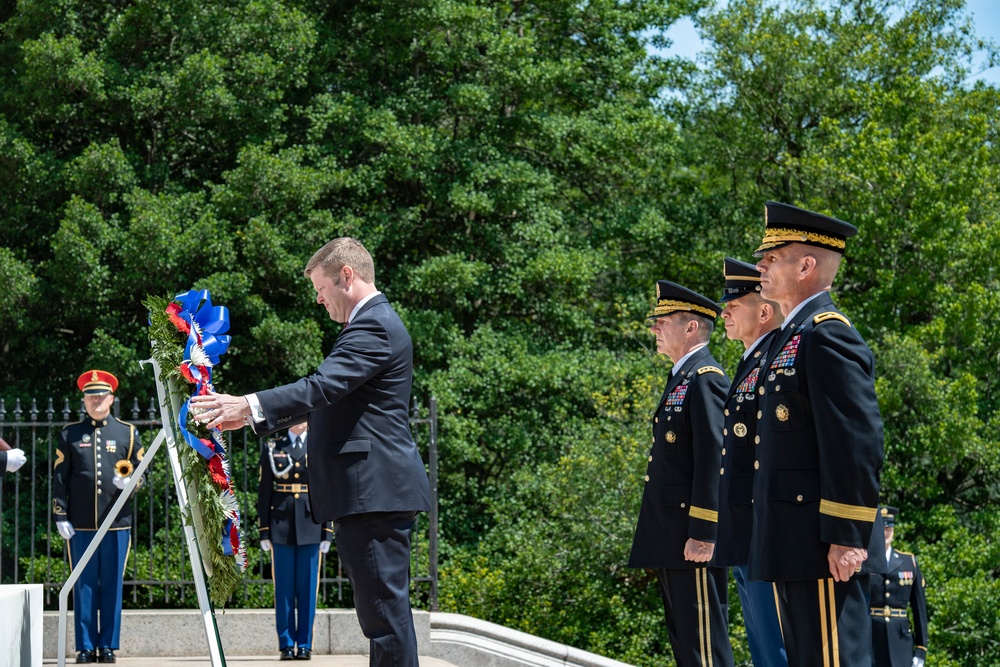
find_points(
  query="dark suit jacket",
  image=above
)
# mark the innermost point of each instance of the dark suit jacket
(362, 457)
(820, 450)
(681, 495)
(738, 456)
(285, 514)
(903, 586)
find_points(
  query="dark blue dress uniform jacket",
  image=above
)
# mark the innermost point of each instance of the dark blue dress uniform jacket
(285, 514)
(820, 450)
(681, 495)
(82, 476)
(738, 456)
(362, 457)
(893, 645)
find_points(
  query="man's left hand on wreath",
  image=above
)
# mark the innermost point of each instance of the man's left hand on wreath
(221, 411)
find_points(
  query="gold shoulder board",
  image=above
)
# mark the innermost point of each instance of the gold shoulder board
(825, 317)
(710, 369)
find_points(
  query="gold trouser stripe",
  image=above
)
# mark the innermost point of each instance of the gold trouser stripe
(835, 633)
(843, 511)
(704, 616)
(777, 608)
(823, 632)
(703, 514)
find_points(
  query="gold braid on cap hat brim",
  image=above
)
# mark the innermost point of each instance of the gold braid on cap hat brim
(667, 306)
(775, 235)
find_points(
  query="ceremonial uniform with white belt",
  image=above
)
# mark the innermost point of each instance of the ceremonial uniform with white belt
(680, 499)
(89, 456)
(285, 514)
(819, 457)
(893, 644)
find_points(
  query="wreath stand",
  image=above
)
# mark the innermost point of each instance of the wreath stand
(168, 414)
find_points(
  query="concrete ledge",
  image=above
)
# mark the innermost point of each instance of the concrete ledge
(463, 640)
(454, 638)
(21, 627)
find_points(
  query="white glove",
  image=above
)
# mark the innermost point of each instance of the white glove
(917, 661)
(265, 545)
(65, 529)
(15, 459)
(324, 546)
(120, 482)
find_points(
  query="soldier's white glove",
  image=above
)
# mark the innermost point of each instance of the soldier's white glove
(15, 459)
(324, 546)
(265, 545)
(917, 661)
(120, 482)
(65, 529)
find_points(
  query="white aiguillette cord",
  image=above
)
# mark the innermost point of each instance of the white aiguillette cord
(270, 456)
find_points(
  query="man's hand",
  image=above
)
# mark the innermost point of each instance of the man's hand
(220, 411)
(698, 551)
(120, 482)
(324, 546)
(65, 529)
(15, 459)
(845, 562)
(265, 545)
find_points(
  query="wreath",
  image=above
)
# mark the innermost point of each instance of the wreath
(187, 337)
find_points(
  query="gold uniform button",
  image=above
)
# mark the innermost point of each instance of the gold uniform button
(727, 412)
(683, 505)
(297, 464)
(656, 420)
(650, 458)
(646, 478)
(761, 391)
(725, 431)
(799, 498)
(760, 414)
(296, 475)
(756, 465)
(777, 387)
(756, 440)
(722, 471)
(296, 495)
(723, 451)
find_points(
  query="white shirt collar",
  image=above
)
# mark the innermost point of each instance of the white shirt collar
(682, 360)
(754, 345)
(796, 309)
(357, 307)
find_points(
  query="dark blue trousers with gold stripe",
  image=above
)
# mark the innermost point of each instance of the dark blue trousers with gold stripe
(295, 570)
(825, 623)
(696, 607)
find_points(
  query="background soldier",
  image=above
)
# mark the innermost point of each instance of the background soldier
(94, 461)
(903, 586)
(751, 320)
(820, 451)
(676, 530)
(295, 541)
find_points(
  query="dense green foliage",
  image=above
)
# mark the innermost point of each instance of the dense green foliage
(522, 173)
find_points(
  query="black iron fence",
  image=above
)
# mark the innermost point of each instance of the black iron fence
(158, 572)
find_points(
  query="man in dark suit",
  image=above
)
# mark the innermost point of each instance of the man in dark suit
(752, 320)
(893, 645)
(94, 460)
(676, 530)
(365, 473)
(820, 449)
(295, 541)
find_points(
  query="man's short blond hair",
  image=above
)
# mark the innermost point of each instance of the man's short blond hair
(342, 252)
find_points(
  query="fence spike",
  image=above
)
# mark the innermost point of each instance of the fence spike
(50, 410)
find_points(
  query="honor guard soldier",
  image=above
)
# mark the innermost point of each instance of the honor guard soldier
(893, 645)
(295, 541)
(94, 461)
(752, 320)
(819, 447)
(676, 530)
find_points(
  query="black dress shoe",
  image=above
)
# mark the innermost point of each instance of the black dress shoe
(107, 655)
(84, 657)
(287, 654)
(304, 654)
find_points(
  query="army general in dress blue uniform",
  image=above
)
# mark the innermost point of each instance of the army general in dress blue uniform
(94, 460)
(677, 526)
(295, 541)
(752, 320)
(816, 531)
(902, 586)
